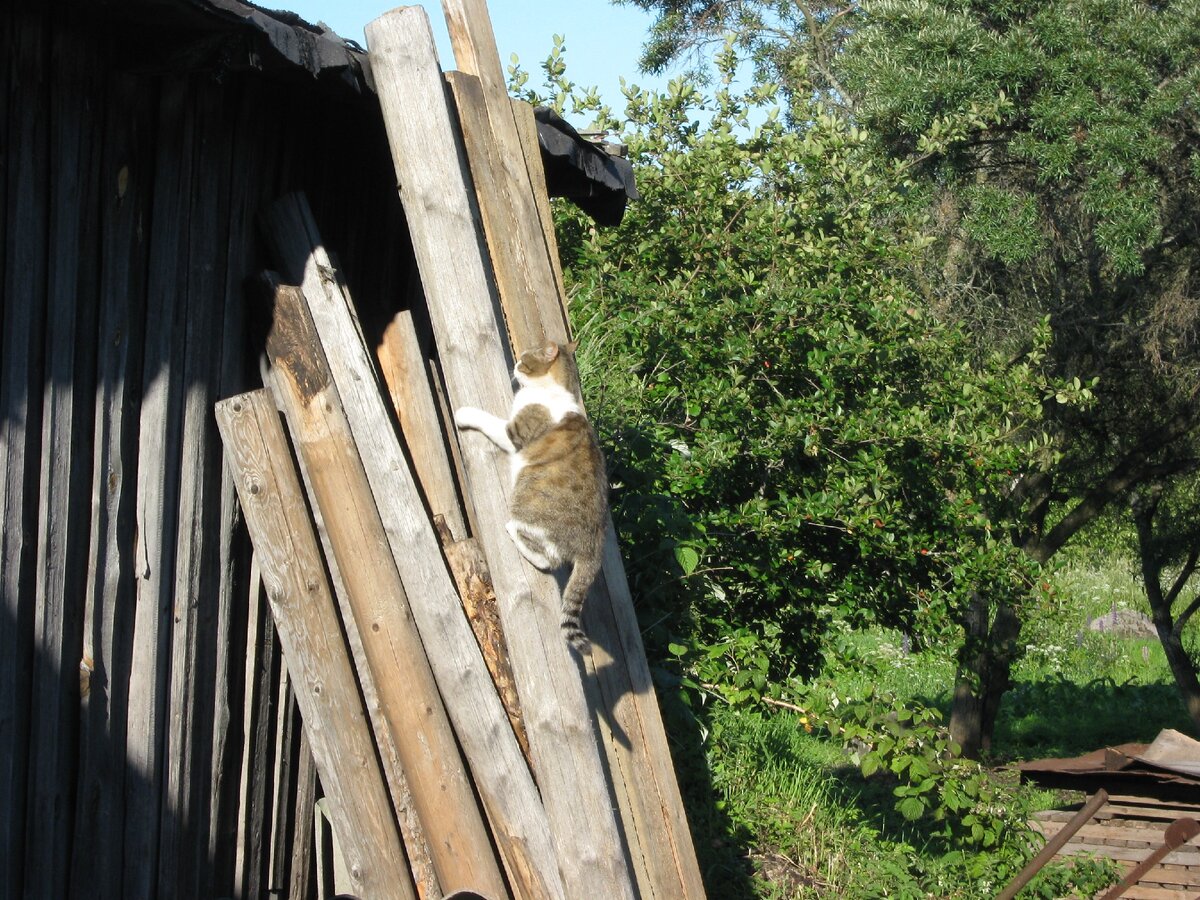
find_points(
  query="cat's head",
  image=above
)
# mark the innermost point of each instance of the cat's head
(550, 361)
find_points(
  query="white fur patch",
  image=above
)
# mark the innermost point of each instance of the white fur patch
(494, 427)
(547, 392)
(546, 556)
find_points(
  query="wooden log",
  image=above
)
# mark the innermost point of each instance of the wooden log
(519, 822)
(308, 629)
(638, 754)
(508, 204)
(469, 569)
(416, 846)
(402, 365)
(22, 347)
(441, 791)
(460, 294)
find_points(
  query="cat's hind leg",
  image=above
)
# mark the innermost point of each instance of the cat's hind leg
(534, 546)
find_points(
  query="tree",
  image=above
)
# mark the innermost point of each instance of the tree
(793, 438)
(1167, 522)
(1056, 146)
(792, 43)
(1077, 204)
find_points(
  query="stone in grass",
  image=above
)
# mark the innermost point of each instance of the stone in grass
(1127, 623)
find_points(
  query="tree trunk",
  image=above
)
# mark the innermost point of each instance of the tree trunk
(984, 668)
(1170, 630)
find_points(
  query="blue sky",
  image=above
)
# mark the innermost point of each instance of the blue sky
(603, 41)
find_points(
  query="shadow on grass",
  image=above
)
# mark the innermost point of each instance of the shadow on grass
(1061, 718)
(722, 848)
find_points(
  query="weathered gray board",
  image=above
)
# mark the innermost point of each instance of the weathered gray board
(504, 783)
(307, 619)
(127, 234)
(463, 307)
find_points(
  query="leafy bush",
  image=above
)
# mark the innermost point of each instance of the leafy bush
(793, 438)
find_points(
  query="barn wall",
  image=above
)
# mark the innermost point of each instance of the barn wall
(148, 744)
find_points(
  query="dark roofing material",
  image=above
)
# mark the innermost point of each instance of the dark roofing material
(235, 35)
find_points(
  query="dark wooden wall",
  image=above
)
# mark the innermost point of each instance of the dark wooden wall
(148, 744)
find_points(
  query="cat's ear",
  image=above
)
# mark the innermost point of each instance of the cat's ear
(550, 352)
(572, 346)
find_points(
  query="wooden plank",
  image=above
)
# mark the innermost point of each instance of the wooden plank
(306, 617)
(495, 172)
(157, 490)
(302, 858)
(1138, 892)
(262, 674)
(532, 150)
(474, 582)
(21, 364)
(1117, 835)
(645, 786)
(528, 288)
(184, 868)
(1188, 855)
(64, 506)
(440, 788)
(286, 739)
(402, 365)
(519, 822)
(460, 295)
(125, 183)
(1151, 812)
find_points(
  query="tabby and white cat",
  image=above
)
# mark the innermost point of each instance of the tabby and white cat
(559, 508)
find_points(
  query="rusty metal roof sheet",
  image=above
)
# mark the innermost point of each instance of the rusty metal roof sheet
(1172, 759)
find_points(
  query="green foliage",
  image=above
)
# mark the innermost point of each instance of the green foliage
(1101, 89)
(791, 434)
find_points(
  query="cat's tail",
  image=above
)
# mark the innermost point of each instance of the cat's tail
(583, 573)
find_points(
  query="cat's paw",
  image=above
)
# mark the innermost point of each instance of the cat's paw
(470, 417)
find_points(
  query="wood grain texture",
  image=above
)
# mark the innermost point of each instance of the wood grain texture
(402, 365)
(496, 192)
(531, 148)
(500, 167)
(519, 822)
(474, 582)
(441, 790)
(22, 344)
(460, 294)
(416, 846)
(184, 867)
(64, 507)
(643, 779)
(158, 479)
(306, 618)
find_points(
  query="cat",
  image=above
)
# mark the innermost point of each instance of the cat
(559, 508)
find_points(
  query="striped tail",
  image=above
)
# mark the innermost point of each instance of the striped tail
(583, 573)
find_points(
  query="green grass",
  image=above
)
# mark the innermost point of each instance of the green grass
(779, 812)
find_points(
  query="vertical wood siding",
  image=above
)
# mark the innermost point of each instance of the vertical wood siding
(149, 742)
